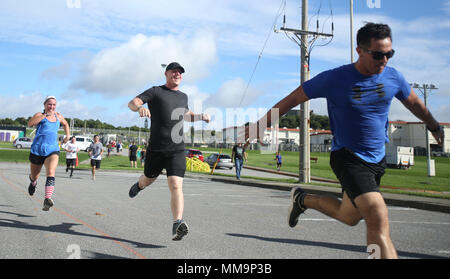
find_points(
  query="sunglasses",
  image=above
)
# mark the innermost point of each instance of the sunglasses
(378, 55)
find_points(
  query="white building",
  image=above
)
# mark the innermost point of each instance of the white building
(282, 135)
(413, 134)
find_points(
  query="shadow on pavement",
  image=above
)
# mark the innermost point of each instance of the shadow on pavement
(346, 247)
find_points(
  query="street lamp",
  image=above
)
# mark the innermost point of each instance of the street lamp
(423, 89)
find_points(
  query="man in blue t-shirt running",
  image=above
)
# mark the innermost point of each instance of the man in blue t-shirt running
(358, 98)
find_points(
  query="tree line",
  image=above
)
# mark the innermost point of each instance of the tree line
(77, 123)
(317, 122)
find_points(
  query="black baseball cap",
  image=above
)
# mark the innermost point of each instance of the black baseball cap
(173, 66)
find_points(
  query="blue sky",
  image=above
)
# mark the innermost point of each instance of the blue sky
(96, 55)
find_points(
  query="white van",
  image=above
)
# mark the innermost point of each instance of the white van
(83, 142)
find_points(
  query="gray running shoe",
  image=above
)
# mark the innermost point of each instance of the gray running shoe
(32, 187)
(179, 230)
(134, 190)
(47, 204)
(295, 209)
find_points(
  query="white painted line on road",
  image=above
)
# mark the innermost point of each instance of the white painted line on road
(402, 208)
(318, 219)
(421, 223)
(257, 204)
(399, 222)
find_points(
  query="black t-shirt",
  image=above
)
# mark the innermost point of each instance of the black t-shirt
(238, 152)
(167, 108)
(133, 150)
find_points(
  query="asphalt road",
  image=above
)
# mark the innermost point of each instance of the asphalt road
(97, 219)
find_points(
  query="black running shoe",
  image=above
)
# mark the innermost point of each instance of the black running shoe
(295, 209)
(32, 187)
(134, 190)
(47, 204)
(179, 230)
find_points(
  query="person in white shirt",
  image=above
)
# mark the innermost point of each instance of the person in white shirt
(71, 155)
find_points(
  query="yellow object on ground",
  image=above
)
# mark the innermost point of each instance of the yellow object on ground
(195, 164)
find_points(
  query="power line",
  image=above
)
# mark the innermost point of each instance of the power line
(279, 12)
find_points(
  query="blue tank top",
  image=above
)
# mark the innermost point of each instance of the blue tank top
(46, 140)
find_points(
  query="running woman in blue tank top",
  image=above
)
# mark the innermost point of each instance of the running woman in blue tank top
(45, 148)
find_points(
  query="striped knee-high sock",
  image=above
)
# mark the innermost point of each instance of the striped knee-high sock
(49, 187)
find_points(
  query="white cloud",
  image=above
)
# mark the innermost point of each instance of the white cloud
(233, 93)
(28, 104)
(446, 7)
(129, 67)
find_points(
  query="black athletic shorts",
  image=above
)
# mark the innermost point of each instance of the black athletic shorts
(71, 162)
(95, 163)
(356, 176)
(174, 162)
(132, 158)
(39, 160)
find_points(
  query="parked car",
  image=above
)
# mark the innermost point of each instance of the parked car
(194, 153)
(83, 142)
(439, 154)
(22, 143)
(224, 160)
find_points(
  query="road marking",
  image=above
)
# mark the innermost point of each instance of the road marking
(76, 220)
(398, 222)
(421, 223)
(256, 204)
(402, 208)
(318, 219)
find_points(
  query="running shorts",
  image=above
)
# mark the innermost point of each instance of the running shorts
(39, 160)
(132, 158)
(356, 176)
(71, 162)
(95, 163)
(174, 162)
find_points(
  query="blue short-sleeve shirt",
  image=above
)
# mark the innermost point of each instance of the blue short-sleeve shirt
(358, 107)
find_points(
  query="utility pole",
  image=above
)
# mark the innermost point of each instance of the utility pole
(304, 160)
(302, 37)
(424, 87)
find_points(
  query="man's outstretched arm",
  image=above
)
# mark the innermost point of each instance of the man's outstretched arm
(418, 108)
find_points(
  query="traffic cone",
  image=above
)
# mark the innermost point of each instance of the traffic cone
(76, 162)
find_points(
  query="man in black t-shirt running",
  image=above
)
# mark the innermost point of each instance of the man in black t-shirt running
(168, 108)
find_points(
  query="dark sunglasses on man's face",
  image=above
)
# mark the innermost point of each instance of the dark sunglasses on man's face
(378, 55)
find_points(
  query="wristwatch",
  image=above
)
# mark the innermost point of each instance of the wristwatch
(437, 129)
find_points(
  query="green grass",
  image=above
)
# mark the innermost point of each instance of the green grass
(21, 156)
(114, 162)
(413, 178)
